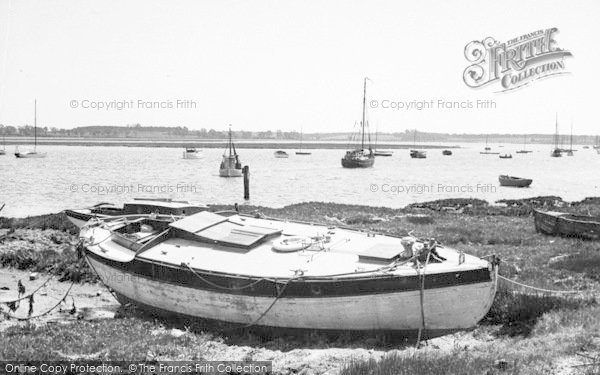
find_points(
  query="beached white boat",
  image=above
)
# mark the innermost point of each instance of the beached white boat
(267, 272)
(280, 154)
(191, 153)
(134, 209)
(31, 154)
(230, 165)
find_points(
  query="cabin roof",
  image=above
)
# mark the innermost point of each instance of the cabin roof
(208, 226)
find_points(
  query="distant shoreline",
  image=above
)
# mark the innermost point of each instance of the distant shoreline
(241, 144)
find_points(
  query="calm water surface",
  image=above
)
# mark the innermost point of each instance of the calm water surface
(74, 176)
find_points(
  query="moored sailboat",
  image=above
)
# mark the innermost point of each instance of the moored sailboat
(556, 152)
(524, 150)
(487, 149)
(360, 157)
(302, 151)
(31, 154)
(414, 153)
(230, 165)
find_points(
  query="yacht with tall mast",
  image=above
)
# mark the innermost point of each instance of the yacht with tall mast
(557, 152)
(417, 154)
(230, 166)
(301, 151)
(360, 157)
(31, 154)
(570, 150)
(524, 150)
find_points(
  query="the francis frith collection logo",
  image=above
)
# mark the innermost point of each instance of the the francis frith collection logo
(514, 63)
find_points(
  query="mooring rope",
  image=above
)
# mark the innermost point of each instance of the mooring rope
(249, 285)
(10, 316)
(29, 295)
(422, 299)
(550, 291)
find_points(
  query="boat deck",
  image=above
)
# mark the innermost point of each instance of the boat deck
(340, 251)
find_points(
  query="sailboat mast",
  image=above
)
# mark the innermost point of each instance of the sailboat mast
(556, 133)
(571, 147)
(362, 144)
(229, 140)
(35, 124)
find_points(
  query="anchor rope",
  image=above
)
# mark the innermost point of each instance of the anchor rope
(11, 316)
(422, 298)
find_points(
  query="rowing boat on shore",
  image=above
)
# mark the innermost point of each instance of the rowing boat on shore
(249, 271)
(565, 224)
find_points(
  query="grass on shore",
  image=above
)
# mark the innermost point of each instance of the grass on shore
(530, 333)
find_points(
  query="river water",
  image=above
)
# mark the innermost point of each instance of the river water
(78, 176)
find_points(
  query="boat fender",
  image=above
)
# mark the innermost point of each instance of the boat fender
(291, 244)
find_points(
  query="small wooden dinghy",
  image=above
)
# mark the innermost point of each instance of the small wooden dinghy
(266, 272)
(512, 181)
(565, 224)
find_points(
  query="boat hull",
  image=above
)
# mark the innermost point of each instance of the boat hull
(230, 172)
(358, 163)
(564, 224)
(27, 155)
(445, 308)
(514, 181)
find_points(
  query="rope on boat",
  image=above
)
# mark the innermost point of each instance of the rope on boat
(249, 285)
(422, 299)
(549, 291)
(538, 289)
(279, 294)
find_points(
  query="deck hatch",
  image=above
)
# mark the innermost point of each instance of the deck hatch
(381, 252)
(198, 222)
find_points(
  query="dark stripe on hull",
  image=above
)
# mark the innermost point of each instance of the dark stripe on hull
(355, 286)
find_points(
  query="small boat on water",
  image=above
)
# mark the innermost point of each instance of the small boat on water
(360, 157)
(380, 152)
(302, 152)
(565, 224)
(418, 154)
(506, 156)
(31, 154)
(488, 150)
(524, 150)
(191, 153)
(136, 208)
(230, 165)
(447, 152)
(514, 181)
(281, 154)
(268, 272)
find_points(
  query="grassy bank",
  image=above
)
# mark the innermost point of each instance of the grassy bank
(523, 333)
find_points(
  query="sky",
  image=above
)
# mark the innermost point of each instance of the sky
(268, 65)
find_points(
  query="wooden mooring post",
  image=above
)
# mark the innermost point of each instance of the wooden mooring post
(246, 173)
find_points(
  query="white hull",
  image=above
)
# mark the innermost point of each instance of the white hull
(449, 308)
(189, 155)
